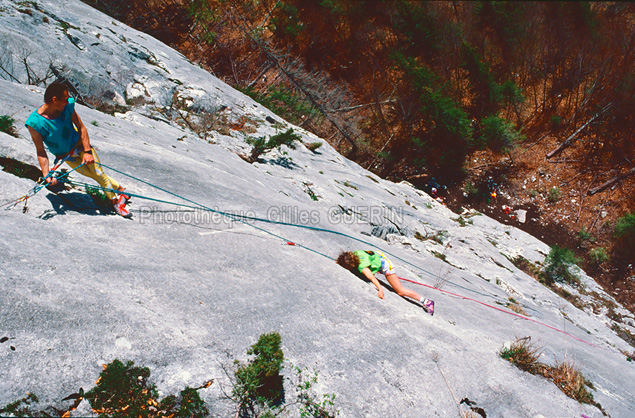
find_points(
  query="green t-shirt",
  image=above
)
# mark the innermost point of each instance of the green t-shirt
(372, 261)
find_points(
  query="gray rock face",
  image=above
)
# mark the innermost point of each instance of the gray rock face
(178, 288)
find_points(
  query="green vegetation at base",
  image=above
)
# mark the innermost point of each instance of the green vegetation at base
(554, 195)
(126, 390)
(497, 134)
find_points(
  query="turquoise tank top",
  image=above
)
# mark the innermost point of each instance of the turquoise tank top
(59, 135)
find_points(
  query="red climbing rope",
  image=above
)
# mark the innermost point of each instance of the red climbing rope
(511, 313)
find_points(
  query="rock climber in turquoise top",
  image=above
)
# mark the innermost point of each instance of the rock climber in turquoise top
(57, 125)
(370, 262)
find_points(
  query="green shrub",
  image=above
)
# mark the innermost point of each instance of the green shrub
(584, 236)
(190, 406)
(439, 141)
(558, 264)
(625, 231)
(470, 188)
(497, 134)
(283, 138)
(21, 407)
(511, 93)
(123, 390)
(260, 145)
(598, 256)
(6, 125)
(310, 405)
(258, 382)
(554, 195)
(556, 121)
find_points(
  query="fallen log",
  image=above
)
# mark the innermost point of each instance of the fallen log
(573, 137)
(611, 182)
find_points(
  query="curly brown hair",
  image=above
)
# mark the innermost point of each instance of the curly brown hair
(348, 260)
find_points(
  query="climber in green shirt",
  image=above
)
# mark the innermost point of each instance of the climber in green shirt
(370, 262)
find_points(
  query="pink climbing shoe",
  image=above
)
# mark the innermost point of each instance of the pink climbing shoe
(428, 306)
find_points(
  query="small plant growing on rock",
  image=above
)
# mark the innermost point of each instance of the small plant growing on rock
(571, 382)
(313, 146)
(522, 354)
(310, 405)
(558, 264)
(258, 382)
(6, 125)
(516, 307)
(461, 220)
(261, 145)
(284, 138)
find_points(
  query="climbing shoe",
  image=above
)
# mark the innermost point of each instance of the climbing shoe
(120, 207)
(428, 306)
(123, 197)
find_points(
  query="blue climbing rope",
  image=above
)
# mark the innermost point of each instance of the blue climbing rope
(40, 185)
